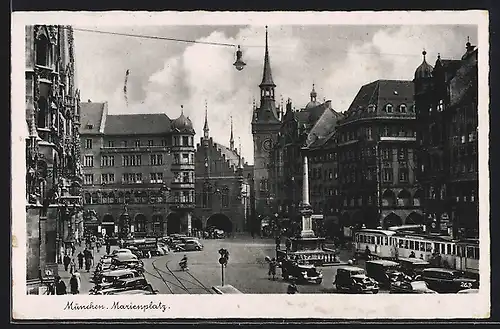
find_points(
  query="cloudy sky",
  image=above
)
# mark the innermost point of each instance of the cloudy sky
(165, 75)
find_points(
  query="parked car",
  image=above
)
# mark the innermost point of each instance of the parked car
(447, 281)
(189, 245)
(413, 267)
(291, 269)
(353, 279)
(383, 271)
(413, 287)
(121, 251)
(109, 278)
(125, 284)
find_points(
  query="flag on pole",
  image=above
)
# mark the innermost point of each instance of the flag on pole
(125, 86)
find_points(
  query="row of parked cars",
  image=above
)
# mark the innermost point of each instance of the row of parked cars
(181, 242)
(408, 275)
(120, 273)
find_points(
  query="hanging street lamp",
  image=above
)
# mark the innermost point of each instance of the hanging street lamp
(239, 64)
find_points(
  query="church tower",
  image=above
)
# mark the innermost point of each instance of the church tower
(265, 128)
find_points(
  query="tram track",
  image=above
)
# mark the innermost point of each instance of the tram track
(180, 281)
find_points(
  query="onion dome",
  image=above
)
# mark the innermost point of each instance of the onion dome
(313, 102)
(424, 70)
(183, 124)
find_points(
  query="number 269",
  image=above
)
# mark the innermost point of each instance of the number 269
(465, 284)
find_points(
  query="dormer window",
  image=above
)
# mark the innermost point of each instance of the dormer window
(371, 108)
(90, 126)
(389, 108)
(402, 108)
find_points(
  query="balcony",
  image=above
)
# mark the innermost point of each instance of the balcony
(132, 149)
(182, 205)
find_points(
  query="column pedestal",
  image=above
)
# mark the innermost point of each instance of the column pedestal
(306, 213)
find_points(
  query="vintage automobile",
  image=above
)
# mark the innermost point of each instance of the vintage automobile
(353, 279)
(128, 260)
(383, 271)
(447, 281)
(113, 274)
(291, 269)
(189, 245)
(139, 283)
(410, 287)
(413, 267)
(121, 251)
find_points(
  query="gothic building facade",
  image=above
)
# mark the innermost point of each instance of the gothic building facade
(447, 115)
(223, 185)
(138, 172)
(53, 171)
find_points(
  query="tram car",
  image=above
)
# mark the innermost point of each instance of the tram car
(441, 251)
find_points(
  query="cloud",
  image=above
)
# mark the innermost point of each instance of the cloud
(339, 60)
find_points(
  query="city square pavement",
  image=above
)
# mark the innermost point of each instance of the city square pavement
(246, 270)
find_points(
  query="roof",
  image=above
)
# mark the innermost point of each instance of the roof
(382, 92)
(464, 81)
(371, 230)
(230, 155)
(91, 117)
(324, 126)
(267, 76)
(137, 124)
(424, 70)
(382, 262)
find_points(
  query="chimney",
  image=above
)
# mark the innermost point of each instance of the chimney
(89, 101)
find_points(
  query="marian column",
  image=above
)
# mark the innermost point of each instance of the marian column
(305, 207)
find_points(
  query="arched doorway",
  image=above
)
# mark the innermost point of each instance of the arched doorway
(404, 198)
(221, 222)
(173, 223)
(157, 220)
(108, 224)
(392, 220)
(414, 219)
(196, 224)
(140, 224)
(388, 198)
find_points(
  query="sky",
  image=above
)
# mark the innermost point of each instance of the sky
(164, 75)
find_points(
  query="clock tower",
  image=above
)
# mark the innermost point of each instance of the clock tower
(265, 127)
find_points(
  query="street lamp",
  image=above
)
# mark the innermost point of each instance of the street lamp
(239, 64)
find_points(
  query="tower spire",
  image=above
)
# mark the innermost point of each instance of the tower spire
(313, 94)
(240, 162)
(267, 77)
(205, 127)
(231, 139)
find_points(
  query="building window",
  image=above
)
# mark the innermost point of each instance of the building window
(107, 161)
(177, 141)
(185, 141)
(111, 143)
(156, 159)
(88, 179)
(185, 177)
(88, 143)
(402, 153)
(137, 143)
(402, 108)
(386, 154)
(185, 158)
(150, 142)
(107, 178)
(387, 175)
(163, 142)
(385, 132)
(389, 108)
(88, 161)
(440, 106)
(403, 174)
(124, 143)
(156, 177)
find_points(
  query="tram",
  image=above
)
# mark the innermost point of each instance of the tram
(390, 244)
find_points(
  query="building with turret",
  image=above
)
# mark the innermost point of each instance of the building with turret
(138, 171)
(223, 184)
(53, 170)
(447, 115)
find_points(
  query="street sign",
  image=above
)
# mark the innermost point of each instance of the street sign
(222, 260)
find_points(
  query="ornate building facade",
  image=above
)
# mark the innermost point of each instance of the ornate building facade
(53, 171)
(376, 155)
(223, 185)
(447, 115)
(139, 173)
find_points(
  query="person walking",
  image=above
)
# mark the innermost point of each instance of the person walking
(108, 247)
(73, 249)
(73, 285)
(292, 289)
(80, 260)
(88, 259)
(79, 279)
(66, 262)
(72, 266)
(60, 286)
(272, 269)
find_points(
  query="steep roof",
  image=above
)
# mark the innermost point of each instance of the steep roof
(267, 76)
(464, 81)
(381, 92)
(324, 127)
(91, 116)
(230, 155)
(137, 124)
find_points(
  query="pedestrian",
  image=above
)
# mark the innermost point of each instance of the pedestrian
(61, 254)
(80, 260)
(60, 286)
(73, 249)
(292, 289)
(98, 245)
(79, 279)
(108, 248)
(272, 268)
(412, 255)
(66, 262)
(72, 266)
(73, 285)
